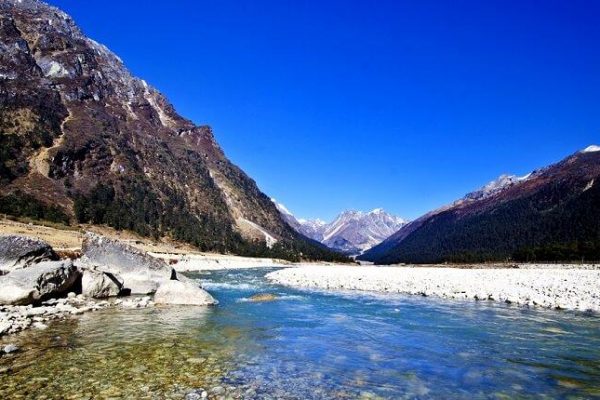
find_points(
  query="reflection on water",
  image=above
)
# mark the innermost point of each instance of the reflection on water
(310, 345)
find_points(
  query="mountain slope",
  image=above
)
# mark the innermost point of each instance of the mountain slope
(82, 139)
(352, 232)
(550, 214)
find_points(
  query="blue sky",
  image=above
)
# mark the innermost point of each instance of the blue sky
(333, 105)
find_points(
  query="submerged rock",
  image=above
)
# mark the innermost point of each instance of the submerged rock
(141, 273)
(176, 292)
(262, 297)
(35, 283)
(21, 251)
(98, 284)
(10, 348)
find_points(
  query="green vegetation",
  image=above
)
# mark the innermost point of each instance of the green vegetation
(132, 204)
(558, 223)
(20, 204)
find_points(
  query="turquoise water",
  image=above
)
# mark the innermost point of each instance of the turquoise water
(310, 345)
(322, 345)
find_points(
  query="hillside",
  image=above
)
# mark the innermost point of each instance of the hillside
(552, 214)
(84, 141)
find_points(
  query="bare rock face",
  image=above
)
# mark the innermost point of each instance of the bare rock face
(140, 272)
(37, 282)
(99, 285)
(184, 293)
(20, 251)
(82, 137)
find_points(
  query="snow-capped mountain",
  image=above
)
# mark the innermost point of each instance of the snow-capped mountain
(352, 232)
(496, 186)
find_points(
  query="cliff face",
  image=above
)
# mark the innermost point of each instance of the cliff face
(83, 140)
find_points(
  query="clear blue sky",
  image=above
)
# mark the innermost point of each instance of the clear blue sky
(333, 105)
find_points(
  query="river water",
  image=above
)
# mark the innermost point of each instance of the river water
(309, 345)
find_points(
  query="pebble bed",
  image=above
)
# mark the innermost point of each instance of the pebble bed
(14, 319)
(560, 288)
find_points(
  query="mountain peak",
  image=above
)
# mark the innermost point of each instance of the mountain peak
(591, 149)
(351, 232)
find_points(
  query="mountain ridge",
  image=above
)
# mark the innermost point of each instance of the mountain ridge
(84, 140)
(550, 214)
(351, 232)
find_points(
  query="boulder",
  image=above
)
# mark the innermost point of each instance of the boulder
(99, 285)
(38, 282)
(140, 272)
(176, 292)
(21, 251)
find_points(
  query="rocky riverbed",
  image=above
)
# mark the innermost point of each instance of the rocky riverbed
(14, 319)
(36, 286)
(560, 288)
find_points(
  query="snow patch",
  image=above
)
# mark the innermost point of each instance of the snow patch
(591, 149)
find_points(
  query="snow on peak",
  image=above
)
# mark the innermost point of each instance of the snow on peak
(282, 209)
(591, 149)
(377, 211)
(497, 185)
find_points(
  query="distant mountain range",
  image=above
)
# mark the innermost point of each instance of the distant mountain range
(352, 232)
(550, 214)
(83, 140)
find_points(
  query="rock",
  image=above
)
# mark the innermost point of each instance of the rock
(100, 285)
(218, 390)
(261, 297)
(38, 282)
(40, 325)
(176, 292)
(20, 252)
(10, 348)
(140, 272)
(4, 327)
(71, 295)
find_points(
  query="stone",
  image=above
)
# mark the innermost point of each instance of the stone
(141, 273)
(40, 325)
(5, 327)
(99, 285)
(218, 390)
(21, 251)
(262, 297)
(38, 282)
(185, 293)
(10, 348)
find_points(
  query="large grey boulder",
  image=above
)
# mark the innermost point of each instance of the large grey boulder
(176, 292)
(37, 282)
(140, 272)
(99, 285)
(21, 251)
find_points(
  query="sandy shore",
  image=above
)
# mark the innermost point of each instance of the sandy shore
(545, 286)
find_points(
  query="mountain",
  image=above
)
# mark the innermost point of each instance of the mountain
(82, 140)
(352, 232)
(552, 214)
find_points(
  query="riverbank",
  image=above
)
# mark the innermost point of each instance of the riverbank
(548, 286)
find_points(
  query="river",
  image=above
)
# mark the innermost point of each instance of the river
(309, 345)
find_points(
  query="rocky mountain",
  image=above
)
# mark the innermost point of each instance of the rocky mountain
(552, 214)
(82, 140)
(352, 232)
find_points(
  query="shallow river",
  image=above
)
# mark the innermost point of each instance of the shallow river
(309, 345)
